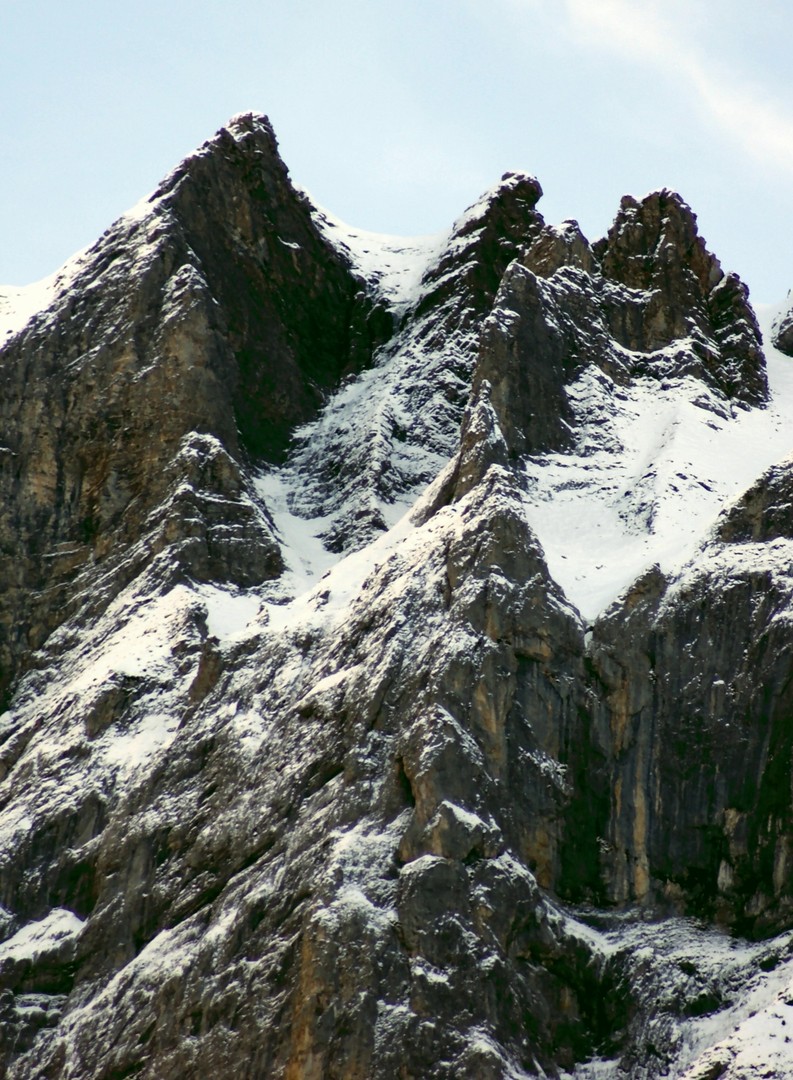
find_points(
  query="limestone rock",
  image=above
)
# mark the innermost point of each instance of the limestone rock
(654, 248)
(311, 767)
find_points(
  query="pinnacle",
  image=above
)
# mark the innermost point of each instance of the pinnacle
(250, 123)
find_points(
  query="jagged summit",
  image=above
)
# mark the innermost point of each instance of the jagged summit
(519, 191)
(251, 131)
(395, 637)
(653, 233)
(245, 123)
(216, 308)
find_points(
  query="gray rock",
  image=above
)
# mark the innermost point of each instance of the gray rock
(782, 331)
(343, 837)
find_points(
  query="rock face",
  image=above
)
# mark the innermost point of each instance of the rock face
(782, 331)
(317, 760)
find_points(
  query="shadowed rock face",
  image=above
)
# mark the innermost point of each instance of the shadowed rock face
(782, 333)
(695, 723)
(294, 318)
(337, 837)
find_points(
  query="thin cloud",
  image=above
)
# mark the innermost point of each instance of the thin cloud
(752, 119)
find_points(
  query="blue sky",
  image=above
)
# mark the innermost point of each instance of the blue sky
(396, 114)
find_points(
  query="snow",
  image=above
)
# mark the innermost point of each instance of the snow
(15, 824)
(19, 303)
(140, 644)
(748, 1030)
(229, 611)
(477, 210)
(420, 865)
(41, 937)
(142, 209)
(318, 584)
(152, 733)
(761, 1046)
(112, 696)
(465, 817)
(420, 968)
(654, 467)
(163, 958)
(393, 265)
(306, 555)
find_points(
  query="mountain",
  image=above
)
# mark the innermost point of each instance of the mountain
(395, 646)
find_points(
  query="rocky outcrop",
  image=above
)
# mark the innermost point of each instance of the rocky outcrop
(268, 816)
(690, 724)
(646, 823)
(648, 300)
(694, 805)
(654, 248)
(295, 319)
(782, 331)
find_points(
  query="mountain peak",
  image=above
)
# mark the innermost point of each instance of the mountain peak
(651, 234)
(250, 123)
(515, 196)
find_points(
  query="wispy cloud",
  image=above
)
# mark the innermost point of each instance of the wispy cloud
(660, 34)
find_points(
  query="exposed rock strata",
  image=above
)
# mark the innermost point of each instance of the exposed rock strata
(339, 842)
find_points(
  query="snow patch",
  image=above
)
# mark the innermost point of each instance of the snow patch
(230, 612)
(752, 1020)
(151, 734)
(41, 937)
(318, 585)
(140, 644)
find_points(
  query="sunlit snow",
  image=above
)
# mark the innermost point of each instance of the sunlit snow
(19, 303)
(228, 611)
(318, 584)
(653, 469)
(40, 937)
(394, 265)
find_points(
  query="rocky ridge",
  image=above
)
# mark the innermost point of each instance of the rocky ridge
(297, 783)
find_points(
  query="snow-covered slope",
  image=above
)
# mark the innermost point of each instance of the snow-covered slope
(652, 469)
(386, 433)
